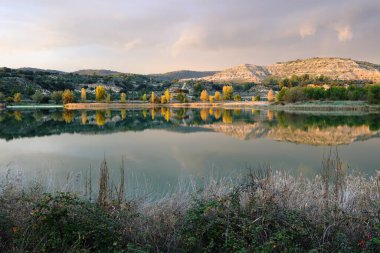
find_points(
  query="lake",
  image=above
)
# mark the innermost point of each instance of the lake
(163, 147)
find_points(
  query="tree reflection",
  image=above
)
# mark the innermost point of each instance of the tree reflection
(100, 118)
(227, 117)
(68, 116)
(84, 117)
(204, 114)
(18, 115)
(218, 113)
(123, 114)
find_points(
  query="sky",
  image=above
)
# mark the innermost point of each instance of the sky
(141, 36)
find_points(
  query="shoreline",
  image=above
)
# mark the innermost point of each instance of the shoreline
(325, 106)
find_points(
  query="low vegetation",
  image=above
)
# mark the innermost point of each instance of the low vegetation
(370, 93)
(267, 212)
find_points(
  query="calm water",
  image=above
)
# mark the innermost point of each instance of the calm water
(163, 146)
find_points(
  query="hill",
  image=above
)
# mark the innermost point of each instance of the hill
(183, 74)
(334, 68)
(241, 73)
(96, 72)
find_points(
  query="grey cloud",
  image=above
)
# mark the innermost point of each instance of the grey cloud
(149, 36)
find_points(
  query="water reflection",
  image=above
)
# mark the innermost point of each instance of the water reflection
(161, 144)
(243, 124)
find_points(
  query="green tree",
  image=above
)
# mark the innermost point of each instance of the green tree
(281, 94)
(374, 94)
(17, 97)
(2, 97)
(108, 98)
(143, 98)
(180, 97)
(67, 96)
(38, 96)
(56, 96)
(237, 97)
(100, 93)
(295, 94)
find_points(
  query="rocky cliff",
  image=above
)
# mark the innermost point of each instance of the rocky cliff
(334, 68)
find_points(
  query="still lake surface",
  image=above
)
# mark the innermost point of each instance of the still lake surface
(162, 147)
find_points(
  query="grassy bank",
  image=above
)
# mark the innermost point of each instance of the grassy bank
(268, 212)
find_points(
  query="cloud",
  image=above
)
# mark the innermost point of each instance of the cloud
(132, 44)
(344, 33)
(307, 30)
(188, 40)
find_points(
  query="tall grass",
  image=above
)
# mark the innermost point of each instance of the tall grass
(267, 211)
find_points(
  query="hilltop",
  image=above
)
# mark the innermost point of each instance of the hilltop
(183, 74)
(96, 72)
(334, 68)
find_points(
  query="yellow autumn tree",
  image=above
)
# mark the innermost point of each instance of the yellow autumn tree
(217, 96)
(163, 99)
(83, 95)
(271, 96)
(211, 98)
(167, 95)
(100, 93)
(228, 91)
(67, 96)
(143, 98)
(204, 96)
(123, 98)
(17, 97)
(153, 98)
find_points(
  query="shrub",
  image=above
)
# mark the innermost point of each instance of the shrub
(38, 96)
(337, 93)
(237, 97)
(374, 94)
(223, 225)
(62, 222)
(295, 94)
(56, 96)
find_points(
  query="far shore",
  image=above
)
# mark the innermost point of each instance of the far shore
(355, 106)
